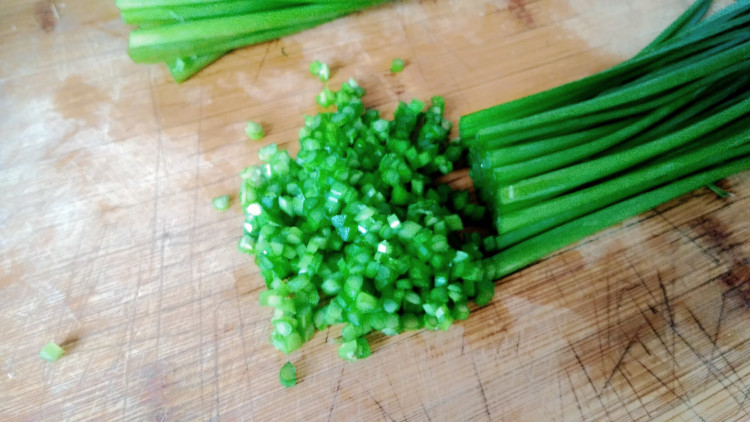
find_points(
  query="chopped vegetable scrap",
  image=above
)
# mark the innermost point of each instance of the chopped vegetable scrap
(397, 65)
(288, 375)
(221, 203)
(51, 352)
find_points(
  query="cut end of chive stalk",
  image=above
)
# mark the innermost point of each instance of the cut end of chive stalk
(51, 352)
(254, 131)
(288, 375)
(221, 203)
(397, 65)
(321, 70)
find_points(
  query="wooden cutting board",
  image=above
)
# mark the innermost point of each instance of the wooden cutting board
(109, 244)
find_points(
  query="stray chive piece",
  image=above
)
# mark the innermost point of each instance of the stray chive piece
(321, 70)
(721, 193)
(221, 203)
(254, 131)
(326, 98)
(397, 65)
(51, 352)
(288, 375)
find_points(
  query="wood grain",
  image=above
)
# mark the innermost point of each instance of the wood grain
(109, 243)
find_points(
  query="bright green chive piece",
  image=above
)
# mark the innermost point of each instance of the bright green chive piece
(326, 98)
(288, 375)
(325, 72)
(366, 302)
(315, 67)
(254, 131)
(221, 203)
(51, 352)
(321, 70)
(397, 65)
(354, 349)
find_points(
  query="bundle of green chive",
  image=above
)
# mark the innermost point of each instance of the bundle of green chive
(560, 165)
(188, 35)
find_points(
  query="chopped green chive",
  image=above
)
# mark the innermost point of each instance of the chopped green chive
(288, 375)
(326, 98)
(321, 70)
(397, 65)
(352, 230)
(254, 131)
(51, 352)
(221, 203)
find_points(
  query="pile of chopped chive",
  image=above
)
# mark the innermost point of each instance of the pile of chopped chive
(188, 35)
(354, 231)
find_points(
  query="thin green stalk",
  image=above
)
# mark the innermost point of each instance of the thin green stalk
(567, 207)
(579, 90)
(728, 41)
(739, 125)
(187, 12)
(145, 4)
(733, 12)
(698, 110)
(631, 94)
(498, 116)
(521, 170)
(565, 179)
(527, 151)
(530, 251)
(245, 40)
(515, 236)
(721, 193)
(695, 12)
(489, 137)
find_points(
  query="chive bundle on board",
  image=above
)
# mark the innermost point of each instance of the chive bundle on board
(188, 35)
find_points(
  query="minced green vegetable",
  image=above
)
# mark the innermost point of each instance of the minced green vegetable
(288, 375)
(397, 65)
(354, 231)
(221, 203)
(51, 352)
(320, 70)
(254, 131)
